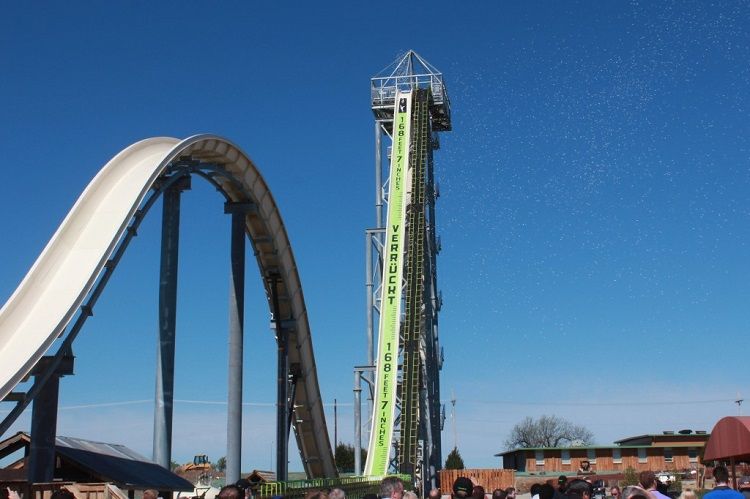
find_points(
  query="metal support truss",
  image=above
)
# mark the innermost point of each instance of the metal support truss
(282, 384)
(417, 448)
(361, 373)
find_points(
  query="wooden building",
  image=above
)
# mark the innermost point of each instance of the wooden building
(107, 470)
(667, 451)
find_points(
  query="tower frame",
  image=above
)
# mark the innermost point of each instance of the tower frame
(409, 72)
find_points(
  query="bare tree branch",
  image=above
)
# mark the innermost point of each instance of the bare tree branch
(547, 431)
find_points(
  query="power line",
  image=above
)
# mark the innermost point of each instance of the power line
(181, 401)
(599, 404)
(738, 401)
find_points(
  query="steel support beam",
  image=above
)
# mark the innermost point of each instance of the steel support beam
(164, 399)
(44, 422)
(359, 376)
(372, 237)
(370, 290)
(236, 340)
(357, 423)
(378, 176)
(282, 385)
(43, 433)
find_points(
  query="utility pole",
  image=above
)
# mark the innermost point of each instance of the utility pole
(739, 401)
(335, 428)
(453, 418)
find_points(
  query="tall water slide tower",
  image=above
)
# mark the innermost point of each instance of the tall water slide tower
(410, 104)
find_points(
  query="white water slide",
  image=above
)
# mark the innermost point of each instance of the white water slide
(61, 278)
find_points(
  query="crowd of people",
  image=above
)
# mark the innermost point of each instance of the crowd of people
(648, 487)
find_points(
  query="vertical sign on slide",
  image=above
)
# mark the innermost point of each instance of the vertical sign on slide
(390, 303)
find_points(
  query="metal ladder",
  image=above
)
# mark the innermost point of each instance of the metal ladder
(414, 277)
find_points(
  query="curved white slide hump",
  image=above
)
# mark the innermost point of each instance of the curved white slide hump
(58, 282)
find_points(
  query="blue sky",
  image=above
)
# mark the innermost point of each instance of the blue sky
(593, 211)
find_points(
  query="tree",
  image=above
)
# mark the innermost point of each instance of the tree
(221, 464)
(454, 461)
(344, 457)
(630, 477)
(547, 431)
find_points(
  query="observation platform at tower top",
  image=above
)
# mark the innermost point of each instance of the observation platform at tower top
(410, 72)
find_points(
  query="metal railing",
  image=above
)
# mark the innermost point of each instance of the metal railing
(355, 487)
(383, 89)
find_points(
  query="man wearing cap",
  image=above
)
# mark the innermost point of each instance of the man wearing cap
(462, 487)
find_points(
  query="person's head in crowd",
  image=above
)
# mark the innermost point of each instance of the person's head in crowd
(462, 487)
(231, 492)
(578, 488)
(562, 480)
(477, 492)
(336, 493)
(391, 486)
(244, 485)
(635, 492)
(614, 491)
(534, 489)
(662, 487)
(647, 479)
(511, 492)
(410, 495)
(688, 494)
(434, 494)
(499, 494)
(546, 491)
(721, 475)
(316, 494)
(62, 494)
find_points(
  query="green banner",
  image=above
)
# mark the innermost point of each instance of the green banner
(384, 408)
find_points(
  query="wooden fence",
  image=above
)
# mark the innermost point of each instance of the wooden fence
(490, 479)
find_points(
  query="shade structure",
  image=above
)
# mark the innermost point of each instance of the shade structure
(730, 440)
